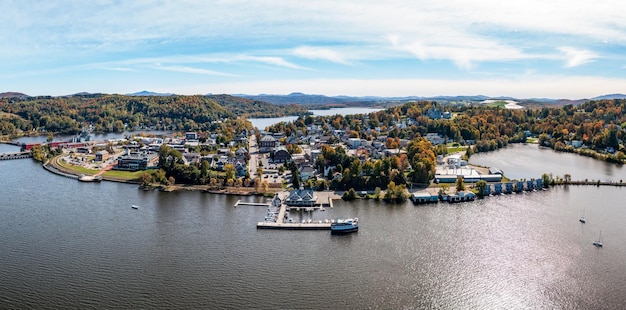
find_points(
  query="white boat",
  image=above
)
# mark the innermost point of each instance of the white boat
(598, 243)
(135, 207)
(582, 218)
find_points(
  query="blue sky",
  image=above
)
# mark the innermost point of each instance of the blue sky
(557, 49)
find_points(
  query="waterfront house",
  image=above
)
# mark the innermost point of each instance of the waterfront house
(497, 188)
(136, 161)
(301, 198)
(461, 197)
(519, 186)
(424, 197)
(487, 190)
(240, 167)
(508, 187)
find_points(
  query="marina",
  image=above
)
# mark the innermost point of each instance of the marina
(278, 213)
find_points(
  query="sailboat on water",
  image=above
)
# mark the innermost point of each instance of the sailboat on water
(598, 243)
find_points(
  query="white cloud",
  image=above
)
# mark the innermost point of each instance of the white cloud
(185, 69)
(271, 60)
(315, 52)
(575, 57)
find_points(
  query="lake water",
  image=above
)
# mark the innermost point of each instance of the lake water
(519, 161)
(261, 123)
(67, 244)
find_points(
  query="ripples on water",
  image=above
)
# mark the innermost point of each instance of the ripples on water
(67, 244)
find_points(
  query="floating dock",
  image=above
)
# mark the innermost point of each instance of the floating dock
(293, 226)
(254, 204)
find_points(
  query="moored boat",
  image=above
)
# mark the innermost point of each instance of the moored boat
(342, 226)
(89, 178)
(598, 243)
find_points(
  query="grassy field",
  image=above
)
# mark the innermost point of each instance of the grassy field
(77, 169)
(126, 175)
(454, 149)
(500, 104)
(119, 175)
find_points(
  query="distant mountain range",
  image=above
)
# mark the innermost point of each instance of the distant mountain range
(149, 93)
(13, 95)
(611, 96)
(312, 99)
(304, 99)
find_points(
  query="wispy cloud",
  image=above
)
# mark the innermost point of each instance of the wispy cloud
(318, 52)
(271, 60)
(185, 69)
(575, 57)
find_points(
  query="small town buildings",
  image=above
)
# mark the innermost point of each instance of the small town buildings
(267, 144)
(301, 198)
(280, 155)
(461, 197)
(102, 155)
(435, 138)
(424, 197)
(306, 172)
(493, 170)
(190, 135)
(354, 143)
(242, 153)
(136, 161)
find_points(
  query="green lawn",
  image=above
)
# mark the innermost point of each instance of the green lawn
(126, 175)
(122, 175)
(454, 149)
(78, 169)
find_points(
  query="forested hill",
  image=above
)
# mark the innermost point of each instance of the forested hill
(116, 113)
(256, 108)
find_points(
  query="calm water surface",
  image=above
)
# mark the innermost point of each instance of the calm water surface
(67, 244)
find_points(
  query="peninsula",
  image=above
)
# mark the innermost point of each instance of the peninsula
(409, 146)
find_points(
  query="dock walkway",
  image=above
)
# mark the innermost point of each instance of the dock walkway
(280, 223)
(254, 204)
